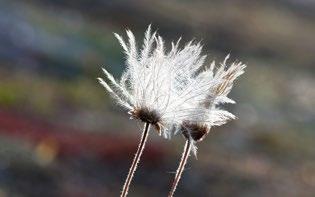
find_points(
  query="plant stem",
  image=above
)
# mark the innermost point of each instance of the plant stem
(136, 159)
(181, 167)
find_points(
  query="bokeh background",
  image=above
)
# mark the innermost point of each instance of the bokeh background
(61, 134)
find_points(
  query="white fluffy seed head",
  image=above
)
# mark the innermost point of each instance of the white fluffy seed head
(167, 88)
(213, 86)
(154, 87)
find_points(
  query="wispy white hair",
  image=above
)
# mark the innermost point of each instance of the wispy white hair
(210, 88)
(159, 81)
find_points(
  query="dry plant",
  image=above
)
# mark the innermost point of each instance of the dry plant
(197, 125)
(151, 86)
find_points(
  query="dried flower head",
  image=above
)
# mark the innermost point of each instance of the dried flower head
(196, 126)
(149, 86)
(153, 86)
(169, 89)
(209, 88)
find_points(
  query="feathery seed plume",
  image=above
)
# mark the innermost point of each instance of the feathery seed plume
(195, 127)
(152, 86)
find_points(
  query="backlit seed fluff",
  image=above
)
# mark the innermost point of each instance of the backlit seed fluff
(196, 126)
(153, 86)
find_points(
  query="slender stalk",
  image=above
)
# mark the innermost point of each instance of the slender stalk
(181, 167)
(136, 160)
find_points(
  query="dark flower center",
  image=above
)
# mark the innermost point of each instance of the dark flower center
(196, 131)
(149, 116)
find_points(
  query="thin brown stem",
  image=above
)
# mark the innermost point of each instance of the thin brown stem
(181, 167)
(136, 160)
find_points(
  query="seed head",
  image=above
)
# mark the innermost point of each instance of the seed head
(151, 86)
(213, 87)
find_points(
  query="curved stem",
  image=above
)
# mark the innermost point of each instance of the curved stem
(181, 167)
(136, 160)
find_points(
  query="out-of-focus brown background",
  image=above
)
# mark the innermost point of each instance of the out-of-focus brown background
(61, 134)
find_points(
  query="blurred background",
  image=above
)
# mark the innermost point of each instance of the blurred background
(61, 134)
